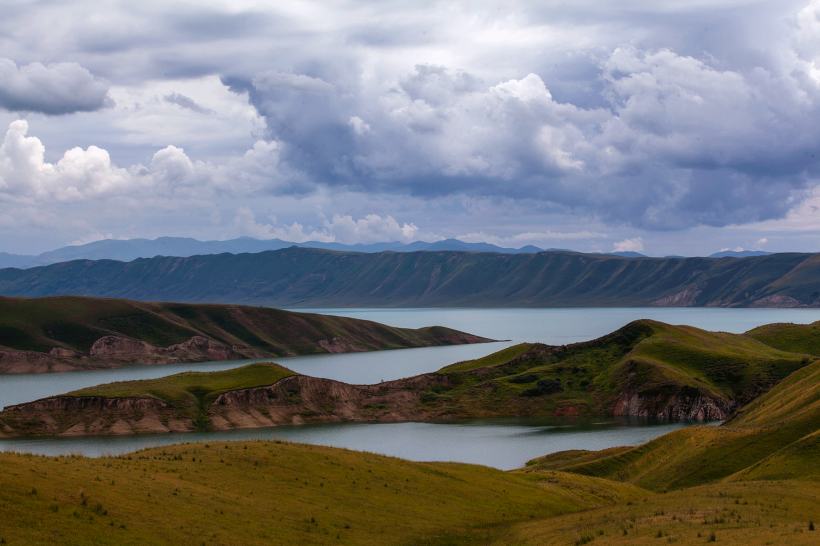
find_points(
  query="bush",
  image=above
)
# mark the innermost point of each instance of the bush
(526, 378)
(544, 386)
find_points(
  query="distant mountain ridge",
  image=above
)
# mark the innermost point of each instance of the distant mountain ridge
(303, 278)
(126, 250)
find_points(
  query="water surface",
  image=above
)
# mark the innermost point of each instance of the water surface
(500, 443)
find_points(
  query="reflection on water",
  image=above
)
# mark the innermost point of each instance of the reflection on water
(500, 443)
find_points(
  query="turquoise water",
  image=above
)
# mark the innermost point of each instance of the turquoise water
(498, 443)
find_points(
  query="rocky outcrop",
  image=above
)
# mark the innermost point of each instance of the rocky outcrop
(116, 351)
(302, 399)
(293, 400)
(91, 415)
(33, 362)
(688, 403)
(777, 301)
(339, 345)
(122, 348)
(685, 298)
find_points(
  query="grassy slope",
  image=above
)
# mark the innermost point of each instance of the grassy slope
(647, 357)
(797, 338)
(189, 390)
(499, 357)
(300, 277)
(772, 436)
(77, 322)
(738, 514)
(273, 493)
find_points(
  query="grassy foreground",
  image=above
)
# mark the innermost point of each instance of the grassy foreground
(274, 493)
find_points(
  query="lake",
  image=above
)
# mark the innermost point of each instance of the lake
(501, 443)
(496, 443)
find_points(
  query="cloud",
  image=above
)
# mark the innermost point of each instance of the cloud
(62, 88)
(660, 117)
(341, 229)
(90, 238)
(529, 238)
(78, 174)
(629, 245)
(188, 103)
(358, 125)
(82, 175)
(272, 80)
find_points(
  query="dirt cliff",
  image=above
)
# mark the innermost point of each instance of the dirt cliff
(687, 403)
(294, 400)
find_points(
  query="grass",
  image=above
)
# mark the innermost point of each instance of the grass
(272, 493)
(655, 360)
(499, 357)
(798, 338)
(734, 514)
(188, 390)
(774, 437)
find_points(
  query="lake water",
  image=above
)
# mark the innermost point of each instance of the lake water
(501, 443)
(481, 442)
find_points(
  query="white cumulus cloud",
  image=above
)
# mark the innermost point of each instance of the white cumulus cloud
(629, 245)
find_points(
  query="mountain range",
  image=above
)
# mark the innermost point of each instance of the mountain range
(308, 278)
(130, 249)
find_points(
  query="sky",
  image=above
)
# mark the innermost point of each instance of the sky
(681, 127)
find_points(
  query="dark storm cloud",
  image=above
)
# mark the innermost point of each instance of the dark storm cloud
(188, 103)
(62, 88)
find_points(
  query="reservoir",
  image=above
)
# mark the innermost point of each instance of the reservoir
(502, 443)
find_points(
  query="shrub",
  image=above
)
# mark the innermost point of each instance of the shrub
(544, 386)
(525, 378)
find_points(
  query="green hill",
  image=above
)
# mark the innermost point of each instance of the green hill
(645, 368)
(797, 338)
(303, 277)
(66, 331)
(774, 436)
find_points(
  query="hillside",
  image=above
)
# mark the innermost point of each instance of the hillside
(752, 480)
(66, 333)
(222, 493)
(646, 368)
(237, 493)
(773, 437)
(300, 277)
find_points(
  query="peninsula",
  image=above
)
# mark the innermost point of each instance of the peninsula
(69, 333)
